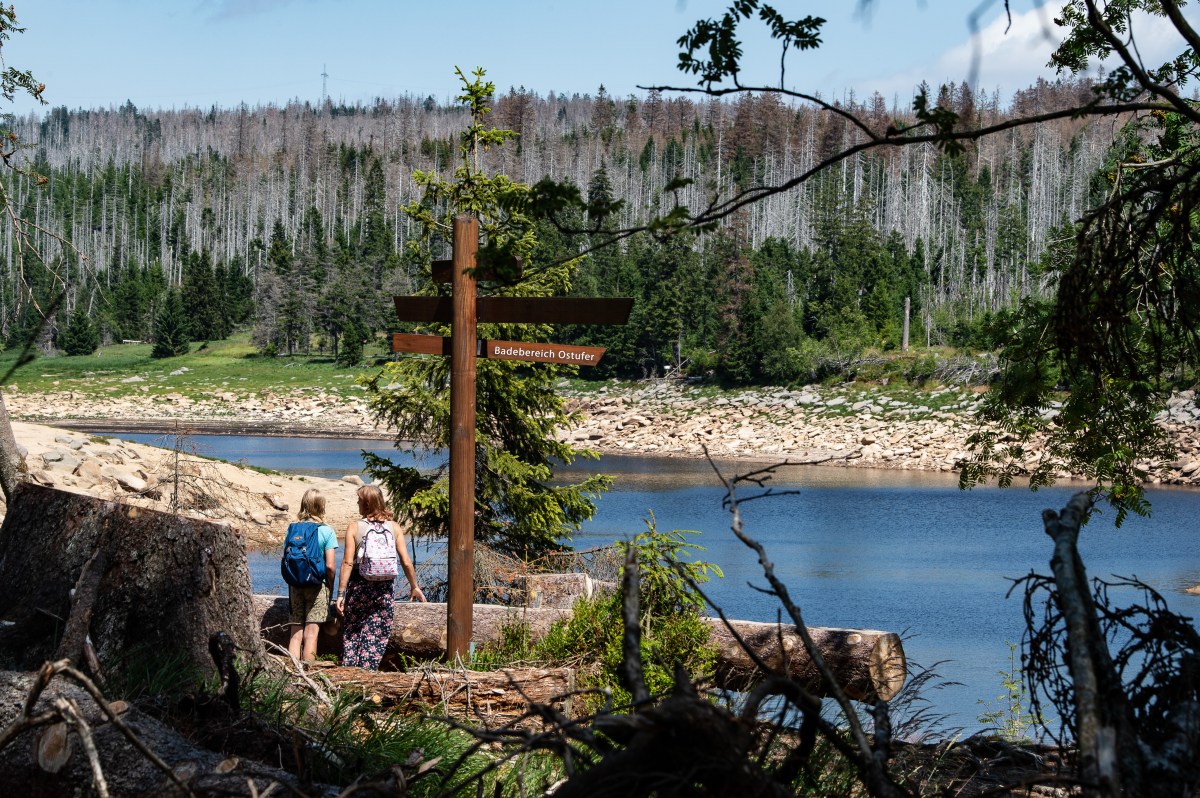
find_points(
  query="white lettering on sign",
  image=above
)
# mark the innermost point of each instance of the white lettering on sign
(547, 352)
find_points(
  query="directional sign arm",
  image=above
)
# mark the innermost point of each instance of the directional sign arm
(426, 309)
(520, 309)
(420, 344)
(554, 310)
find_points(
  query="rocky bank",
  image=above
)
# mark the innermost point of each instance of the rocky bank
(834, 426)
(259, 505)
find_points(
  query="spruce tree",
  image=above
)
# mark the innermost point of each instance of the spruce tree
(350, 351)
(171, 328)
(518, 509)
(80, 336)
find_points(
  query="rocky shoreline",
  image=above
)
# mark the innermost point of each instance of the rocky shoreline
(258, 505)
(817, 425)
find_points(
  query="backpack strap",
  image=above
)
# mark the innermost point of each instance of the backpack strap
(365, 525)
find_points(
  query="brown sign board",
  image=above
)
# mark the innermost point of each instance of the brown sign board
(443, 272)
(554, 310)
(543, 353)
(423, 308)
(519, 309)
(502, 350)
(420, 344)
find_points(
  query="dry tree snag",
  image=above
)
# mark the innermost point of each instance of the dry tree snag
(146, 580)
(1103, 733)
(1124, 679)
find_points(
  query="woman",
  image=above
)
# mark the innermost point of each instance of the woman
(366, 605)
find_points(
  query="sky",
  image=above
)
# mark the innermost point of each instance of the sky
(200, 53)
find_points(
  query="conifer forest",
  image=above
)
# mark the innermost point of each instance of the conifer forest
(290, 220)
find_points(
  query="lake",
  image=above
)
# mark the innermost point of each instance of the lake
(900, 551)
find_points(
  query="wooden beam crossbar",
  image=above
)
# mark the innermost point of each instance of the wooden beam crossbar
(518, 310)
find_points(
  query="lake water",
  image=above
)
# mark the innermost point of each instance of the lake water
(900, 551)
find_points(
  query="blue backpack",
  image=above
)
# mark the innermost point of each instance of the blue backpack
(303, 562)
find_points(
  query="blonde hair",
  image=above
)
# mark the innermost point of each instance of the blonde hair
(312, 506)
(371, 504)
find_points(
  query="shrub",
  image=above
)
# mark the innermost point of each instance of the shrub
(672, 630)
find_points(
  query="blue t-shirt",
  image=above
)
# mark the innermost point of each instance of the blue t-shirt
(326, 538)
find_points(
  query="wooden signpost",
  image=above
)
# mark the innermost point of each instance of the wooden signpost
(462, 310)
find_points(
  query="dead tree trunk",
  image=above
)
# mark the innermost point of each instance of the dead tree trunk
(160, 583)
(1110, 761)
(866, 662)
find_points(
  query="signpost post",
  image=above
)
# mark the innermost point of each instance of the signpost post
(463, 311)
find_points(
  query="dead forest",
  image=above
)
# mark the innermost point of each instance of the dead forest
(139, 189)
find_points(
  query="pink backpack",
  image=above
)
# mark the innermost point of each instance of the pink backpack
(377, 561)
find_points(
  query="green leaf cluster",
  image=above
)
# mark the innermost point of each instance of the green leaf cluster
(672, 630)
(722, 52)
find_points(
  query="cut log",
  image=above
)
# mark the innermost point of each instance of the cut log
(418, 629)
(168, 584)
(866, 662)
(496, 697)
(53, 747)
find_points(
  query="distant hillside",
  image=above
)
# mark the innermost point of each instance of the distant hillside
(251, 200)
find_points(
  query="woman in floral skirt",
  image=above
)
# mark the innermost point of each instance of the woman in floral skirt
(367, 605)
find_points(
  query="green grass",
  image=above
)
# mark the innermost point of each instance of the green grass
(233, 365)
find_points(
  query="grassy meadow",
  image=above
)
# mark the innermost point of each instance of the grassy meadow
(233, 365)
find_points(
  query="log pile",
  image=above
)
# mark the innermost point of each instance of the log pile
(866, 662)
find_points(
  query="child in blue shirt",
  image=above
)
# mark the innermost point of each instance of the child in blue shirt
(310, 605)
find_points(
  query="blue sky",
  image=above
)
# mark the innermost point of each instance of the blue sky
(199, 53)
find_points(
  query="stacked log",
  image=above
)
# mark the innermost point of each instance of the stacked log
(867, 663)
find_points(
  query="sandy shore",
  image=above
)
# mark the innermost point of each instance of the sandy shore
(260, 505)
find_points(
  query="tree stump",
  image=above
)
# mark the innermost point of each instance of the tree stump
(157, 582)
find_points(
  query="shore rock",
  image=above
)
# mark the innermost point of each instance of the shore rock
(146, 476)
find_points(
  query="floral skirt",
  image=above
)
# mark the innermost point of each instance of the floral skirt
(367, 626)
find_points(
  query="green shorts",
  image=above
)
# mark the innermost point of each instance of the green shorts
(309, 604)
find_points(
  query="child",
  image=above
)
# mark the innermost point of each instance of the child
(310, 605)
